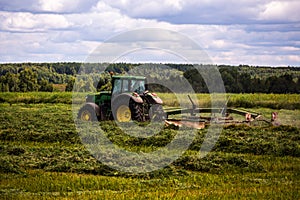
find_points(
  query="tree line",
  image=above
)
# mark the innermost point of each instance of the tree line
(26, 77)
(238, 81)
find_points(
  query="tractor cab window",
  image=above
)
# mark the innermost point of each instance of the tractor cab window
(138, 86)
(117, 86)
(125, 86)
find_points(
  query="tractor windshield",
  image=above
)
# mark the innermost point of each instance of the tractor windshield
(138, 86)
(128, 85)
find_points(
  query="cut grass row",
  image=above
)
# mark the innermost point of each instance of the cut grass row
(274, 101)
(54, 123)
(279, 183)
(41, 156)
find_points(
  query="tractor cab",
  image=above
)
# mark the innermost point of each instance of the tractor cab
(128, 84)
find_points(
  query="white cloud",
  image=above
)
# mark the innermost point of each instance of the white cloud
(143, 9)
(52, 6)
(28, 22)
(293, 58)
(40, 47)
(193, 11)
(17, 6)
(281, 11)
(257, 32)
(55, 6)
(210, 11)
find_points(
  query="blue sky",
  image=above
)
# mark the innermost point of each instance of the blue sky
(253, 32)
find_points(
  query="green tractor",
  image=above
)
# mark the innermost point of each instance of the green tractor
(129, 100)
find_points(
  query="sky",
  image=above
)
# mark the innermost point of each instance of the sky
(247, 32)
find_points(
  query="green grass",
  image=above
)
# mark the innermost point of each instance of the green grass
(36, 97)
(273, 101)
(279, 183)
(41, 157)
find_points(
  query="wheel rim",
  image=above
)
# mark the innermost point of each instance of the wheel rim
(123, 114)
(86, 116)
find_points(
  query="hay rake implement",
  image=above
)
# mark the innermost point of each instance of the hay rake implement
(201, 117)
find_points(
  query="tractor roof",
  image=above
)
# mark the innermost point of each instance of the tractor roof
(128, 77)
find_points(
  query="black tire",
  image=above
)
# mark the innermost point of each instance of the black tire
(136, 111)
(156, 113)
(87, 113)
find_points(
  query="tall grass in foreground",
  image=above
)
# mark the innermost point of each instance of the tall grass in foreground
(274, 101)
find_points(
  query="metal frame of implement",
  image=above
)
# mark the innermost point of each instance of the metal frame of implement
(218, 116)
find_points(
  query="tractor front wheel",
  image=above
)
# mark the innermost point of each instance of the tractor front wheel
(86, 113)
(123, 113)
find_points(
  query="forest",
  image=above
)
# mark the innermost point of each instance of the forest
(28, 77)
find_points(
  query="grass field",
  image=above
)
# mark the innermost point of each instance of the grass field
(274, 101)
(42, 156)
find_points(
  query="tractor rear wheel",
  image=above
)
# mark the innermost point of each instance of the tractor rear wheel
(125, 110)
(137, 111)
(86, 113)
